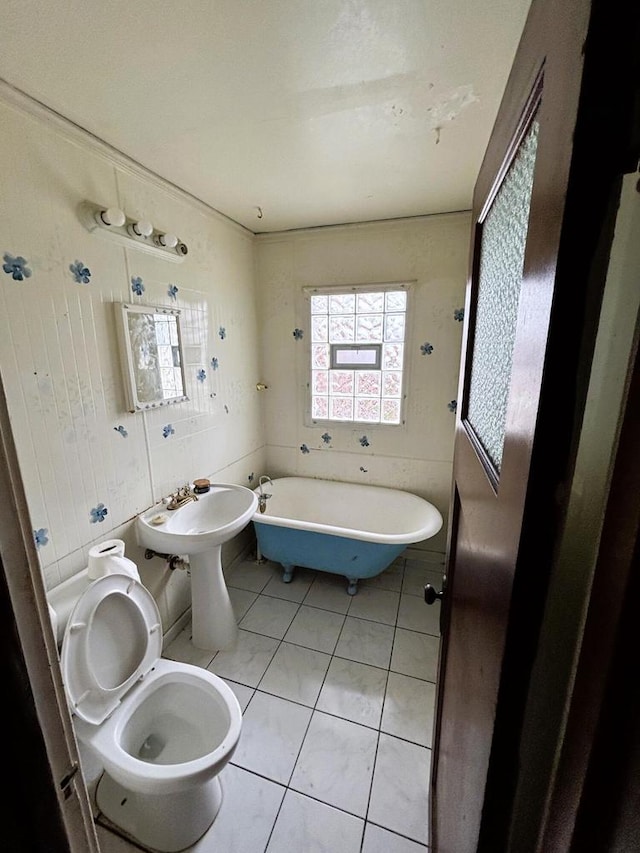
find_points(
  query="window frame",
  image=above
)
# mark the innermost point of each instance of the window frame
(334, 290)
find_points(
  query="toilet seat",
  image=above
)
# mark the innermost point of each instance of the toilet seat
(113, 638)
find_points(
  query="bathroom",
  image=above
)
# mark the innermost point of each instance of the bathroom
(89, 466)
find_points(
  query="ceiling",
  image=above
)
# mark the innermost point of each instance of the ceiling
(280, 114)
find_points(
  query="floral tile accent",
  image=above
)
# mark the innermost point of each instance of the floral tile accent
(426, 349)
(250, 477)
(201, 375)
(80, 273)
(364, 470)
(298, 334)
(304, 449)
(326, 437)
(121, 430)
(222, 333)
(172, 291)
(215, 364)
(16, 267)
(41, 537)
(167, 430)
(136, 285)
(453, 406)
(364, 441)
(458, 315)
(98, 513)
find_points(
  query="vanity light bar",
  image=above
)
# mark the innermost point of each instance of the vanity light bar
(113, 223)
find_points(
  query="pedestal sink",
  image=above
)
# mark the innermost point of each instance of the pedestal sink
(199, 529)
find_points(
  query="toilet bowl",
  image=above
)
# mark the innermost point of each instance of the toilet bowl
(162, 730)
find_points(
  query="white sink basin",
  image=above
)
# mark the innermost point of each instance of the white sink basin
(199, 529)
(199, 525)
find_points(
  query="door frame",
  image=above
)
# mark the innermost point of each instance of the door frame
(608, 123)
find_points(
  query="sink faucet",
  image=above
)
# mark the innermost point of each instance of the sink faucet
(263, 497)
(181, 497)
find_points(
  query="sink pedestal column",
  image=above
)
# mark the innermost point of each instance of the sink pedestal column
(212, 618)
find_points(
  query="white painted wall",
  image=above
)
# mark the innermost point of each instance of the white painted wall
(416, 457)
(59, 358)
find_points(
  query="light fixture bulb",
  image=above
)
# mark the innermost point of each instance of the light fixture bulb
(169, 241)
(112, 216)
(143, 228)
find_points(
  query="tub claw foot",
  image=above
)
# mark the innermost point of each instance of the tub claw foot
(353, 586)
(287, 574)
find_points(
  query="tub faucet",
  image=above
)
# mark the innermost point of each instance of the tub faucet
(263, 496)
(181, 497)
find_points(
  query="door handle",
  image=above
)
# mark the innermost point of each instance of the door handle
(431, 594)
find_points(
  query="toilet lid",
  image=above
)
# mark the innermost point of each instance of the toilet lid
(112, 639)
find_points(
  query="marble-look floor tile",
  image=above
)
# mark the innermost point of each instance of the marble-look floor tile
(250, 575)
(415, 654)
(329, 592)
(296, 673)
(247, 661)
(354, 691)
(416, 615)
(315, 629)
(390, 578)
(243, 694)
(417, 575)
(307, 825)
(241, 600)
(378, 840)
(249, 808)
(183, 650)
(400, 790)
(408, 708)
(272, 732)
(365, 642)
(269, 616)
(295, 590)
(379, 605)
(336, 763)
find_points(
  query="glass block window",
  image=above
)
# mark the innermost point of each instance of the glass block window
(357, 354)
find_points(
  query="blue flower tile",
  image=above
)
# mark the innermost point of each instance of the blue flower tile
(364, 470)
(121, 430)
(41, 537)
(201, 375)
(304, 449)
(426, 349)
(167, 430)
(453, 406)
(326, 437)
(250, 477)
(136, 285)
(172, 291)
(298, 334)
(80, 273)
(458, 315)
(16, 267)
(214, 363)
(364, 441)
(98, 513)
(222, 333)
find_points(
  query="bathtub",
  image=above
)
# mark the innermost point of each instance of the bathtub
(344, 528)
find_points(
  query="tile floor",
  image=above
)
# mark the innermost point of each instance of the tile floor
(338, 697)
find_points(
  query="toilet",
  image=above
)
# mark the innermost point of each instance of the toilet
(162, 730)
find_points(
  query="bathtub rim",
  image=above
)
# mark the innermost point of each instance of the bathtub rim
(430, 528)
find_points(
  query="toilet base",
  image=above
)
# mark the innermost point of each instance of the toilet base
(166, 823)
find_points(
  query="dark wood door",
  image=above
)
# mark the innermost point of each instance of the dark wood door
(513, 433)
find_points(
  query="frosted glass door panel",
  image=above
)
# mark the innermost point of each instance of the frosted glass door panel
(504, 234)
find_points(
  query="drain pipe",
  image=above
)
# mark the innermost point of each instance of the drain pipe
(175, 561)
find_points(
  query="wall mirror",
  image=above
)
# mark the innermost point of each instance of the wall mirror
(152, 359)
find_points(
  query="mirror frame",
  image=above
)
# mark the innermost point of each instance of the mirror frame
(127, 351)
